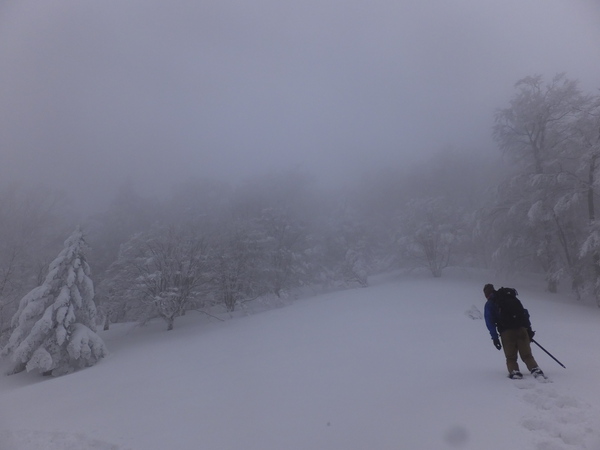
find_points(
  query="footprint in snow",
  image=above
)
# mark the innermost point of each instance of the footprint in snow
(42, 440)
(559, 422)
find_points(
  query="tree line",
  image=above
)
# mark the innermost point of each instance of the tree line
(529, 207)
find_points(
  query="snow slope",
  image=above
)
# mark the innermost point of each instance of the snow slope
(398, 365)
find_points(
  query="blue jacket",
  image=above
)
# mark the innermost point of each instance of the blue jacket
(491, 313)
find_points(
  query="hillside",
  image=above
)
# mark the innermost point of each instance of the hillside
(398, 365)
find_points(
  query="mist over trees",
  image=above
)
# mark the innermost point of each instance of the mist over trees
(551, 132)
(529, 207)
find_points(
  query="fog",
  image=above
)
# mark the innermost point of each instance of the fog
(96, 93)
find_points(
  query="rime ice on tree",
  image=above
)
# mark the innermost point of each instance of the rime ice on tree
(54, 327)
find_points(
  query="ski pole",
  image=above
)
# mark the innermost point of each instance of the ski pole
(549, 354)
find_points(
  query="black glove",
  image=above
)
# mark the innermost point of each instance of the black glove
(531, 334)
(497, 344)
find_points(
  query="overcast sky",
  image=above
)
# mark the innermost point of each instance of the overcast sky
(94, 92)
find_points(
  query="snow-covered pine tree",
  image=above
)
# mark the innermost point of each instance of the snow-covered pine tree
(54, 327)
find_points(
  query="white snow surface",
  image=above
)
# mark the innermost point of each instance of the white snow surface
(403, 364)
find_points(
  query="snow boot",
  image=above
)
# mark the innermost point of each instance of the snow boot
(515, 375)
(537, 373)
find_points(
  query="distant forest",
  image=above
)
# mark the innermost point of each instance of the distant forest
(529, 205)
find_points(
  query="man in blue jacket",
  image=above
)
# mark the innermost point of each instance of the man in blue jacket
(515, 338)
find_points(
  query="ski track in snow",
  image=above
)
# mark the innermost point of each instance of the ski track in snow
(557, 421)
(45, 440)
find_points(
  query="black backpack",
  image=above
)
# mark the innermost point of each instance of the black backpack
(512, 313)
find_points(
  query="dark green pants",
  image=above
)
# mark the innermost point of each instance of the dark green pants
(516, 342)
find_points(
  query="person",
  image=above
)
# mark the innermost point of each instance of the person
(516, 337)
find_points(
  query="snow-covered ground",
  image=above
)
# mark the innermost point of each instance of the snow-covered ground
(397, 365)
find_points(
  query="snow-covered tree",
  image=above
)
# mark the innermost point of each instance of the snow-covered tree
(159, 274)
(429, 233)
(284, 248)
(537, 133)
(356, 268)
(54, 327)
(339, 253)
(531, 131)
(238, 267)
